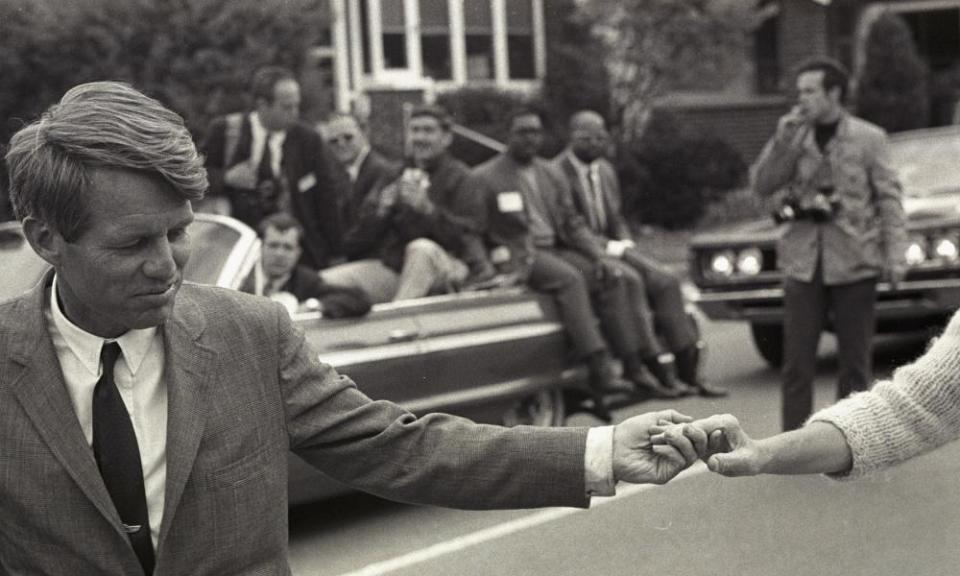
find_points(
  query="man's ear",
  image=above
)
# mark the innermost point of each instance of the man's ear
(45, 241)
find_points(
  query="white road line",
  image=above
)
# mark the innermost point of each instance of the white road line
(501, 530)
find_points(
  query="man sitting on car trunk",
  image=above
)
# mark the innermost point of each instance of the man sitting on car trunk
(420, 233)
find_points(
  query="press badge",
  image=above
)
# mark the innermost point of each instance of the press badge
(510, 202)
(307, 182)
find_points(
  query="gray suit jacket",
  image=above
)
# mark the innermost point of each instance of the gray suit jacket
(243, 388)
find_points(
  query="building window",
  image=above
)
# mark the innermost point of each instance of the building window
(435, 39)
(393, 22)
(520, 40)
(478, 30)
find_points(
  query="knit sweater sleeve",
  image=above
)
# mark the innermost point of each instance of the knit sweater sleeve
(914, 412)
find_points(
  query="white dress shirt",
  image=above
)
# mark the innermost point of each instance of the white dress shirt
(139, 378)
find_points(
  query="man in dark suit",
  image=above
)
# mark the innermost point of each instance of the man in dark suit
(266, 161)
(596, 194)
(279, 276)
(145, 423)
(367, 169)
(534, 232)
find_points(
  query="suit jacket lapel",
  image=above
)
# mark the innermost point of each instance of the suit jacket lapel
(186, 371)
(41, 390)
(580, 198)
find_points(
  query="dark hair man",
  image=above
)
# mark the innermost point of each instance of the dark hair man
(596, 195)
(834, 171)
(266, 161)
(185, 473)
(419, 234)
(281, 278)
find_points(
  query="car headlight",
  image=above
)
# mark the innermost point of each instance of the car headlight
(945, 248)
(916, 253)
(750, 261)
(722, 264)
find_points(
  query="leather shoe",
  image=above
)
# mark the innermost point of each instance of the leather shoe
(708, 390)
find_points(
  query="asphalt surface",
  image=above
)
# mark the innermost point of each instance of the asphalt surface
(904, 521)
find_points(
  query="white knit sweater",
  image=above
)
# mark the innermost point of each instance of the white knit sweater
(915, 412)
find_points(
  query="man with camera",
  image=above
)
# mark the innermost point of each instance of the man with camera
(841, 203)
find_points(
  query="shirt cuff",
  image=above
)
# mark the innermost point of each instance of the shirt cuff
(598, 462)
(616, 248)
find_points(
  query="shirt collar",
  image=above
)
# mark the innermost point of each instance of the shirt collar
(354, 167)
(134, 344)
(260, 131)
(581, 166)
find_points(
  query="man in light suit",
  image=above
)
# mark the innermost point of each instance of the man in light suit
(266, 161)
(596, 195)
(144, 422)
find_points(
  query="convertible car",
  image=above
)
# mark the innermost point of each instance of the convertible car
(497, 356)
(735, 269)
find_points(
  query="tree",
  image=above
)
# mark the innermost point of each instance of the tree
(892, 90)
(196, 56)
(657, 45)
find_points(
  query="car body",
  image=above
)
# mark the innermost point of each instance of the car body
(496, 357)
(735, 268)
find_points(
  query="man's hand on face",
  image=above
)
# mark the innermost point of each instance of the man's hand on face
(413, 193)
(242, 176)
(792, 127)
(718, 440)
(636, 459)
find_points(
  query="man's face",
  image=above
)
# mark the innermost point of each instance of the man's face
(123, 272)
(427, 138)
(815, 104)
(526, 137)
(589, 141)
(345, 138)
(284, 111)
(281, 251)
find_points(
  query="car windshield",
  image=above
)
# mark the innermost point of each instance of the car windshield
(927, 164)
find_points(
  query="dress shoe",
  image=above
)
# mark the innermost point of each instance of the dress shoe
(603, 375)
(664, 383)
(688, 370)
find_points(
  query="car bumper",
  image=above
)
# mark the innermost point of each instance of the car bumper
(912, 300)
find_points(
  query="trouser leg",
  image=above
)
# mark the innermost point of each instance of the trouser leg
(642, 314)
(553, 275)
(378, 281)
(854, 322)
(666, 301)
(611, 303)
(804, 305)
(427, 267)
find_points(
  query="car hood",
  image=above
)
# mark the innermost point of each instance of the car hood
(939, 210)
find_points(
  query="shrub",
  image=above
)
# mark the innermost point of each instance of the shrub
(671, 175)
(892, 90)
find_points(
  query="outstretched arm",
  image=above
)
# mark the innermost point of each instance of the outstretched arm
(818, 448)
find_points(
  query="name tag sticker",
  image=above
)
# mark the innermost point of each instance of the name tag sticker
(307, 182)
(510, 202)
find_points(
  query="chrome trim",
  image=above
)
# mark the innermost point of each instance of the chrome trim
(775, 293)
(243, 255)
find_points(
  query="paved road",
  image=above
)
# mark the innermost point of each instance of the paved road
(906, 521)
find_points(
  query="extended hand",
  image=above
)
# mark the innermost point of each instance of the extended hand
(719, 440)
(636, 459)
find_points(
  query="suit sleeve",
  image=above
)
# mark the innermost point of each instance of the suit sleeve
(888, 195)
(573, 230)
(438, 459)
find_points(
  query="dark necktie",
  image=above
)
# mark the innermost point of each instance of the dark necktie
(118, 457)
(265, 169)
(596, 199)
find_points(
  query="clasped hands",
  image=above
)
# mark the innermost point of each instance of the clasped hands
(654, 447)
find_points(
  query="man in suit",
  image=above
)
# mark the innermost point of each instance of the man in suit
(596, 194)
(266, 161)
(279, 276)
(145, 423)
(535, 233)
(420, 233)
(368, 169)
